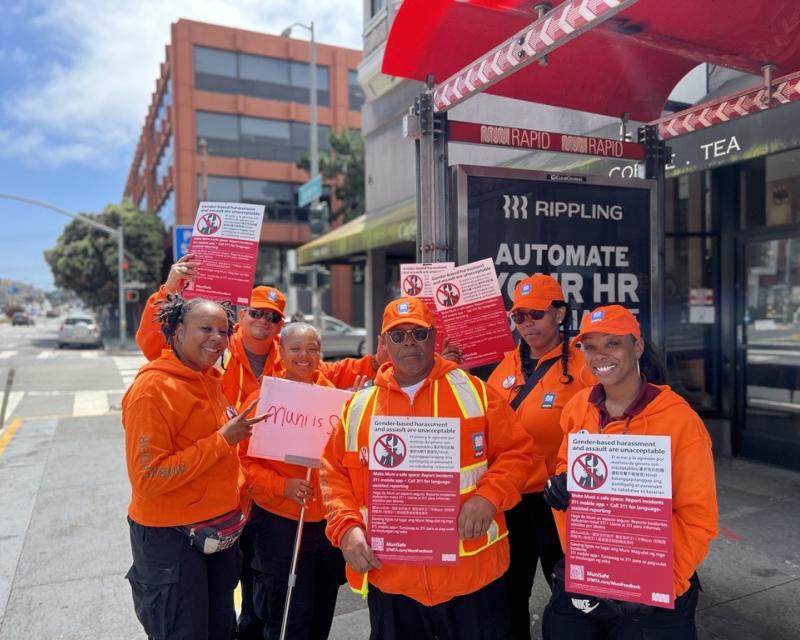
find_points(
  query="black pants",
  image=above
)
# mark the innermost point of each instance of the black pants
(320, 572)
(250, 626)
(533, 537)
(482, 615)
(180, 593)
(570, 616)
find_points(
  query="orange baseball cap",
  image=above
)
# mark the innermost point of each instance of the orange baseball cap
(536, 292)
(406, 311)
(613, 319)
(267, 298)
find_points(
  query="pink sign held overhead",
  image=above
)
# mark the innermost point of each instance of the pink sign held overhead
(472, 310)
(225, 245)
(417, 280)
(619, 520)
(414, 489)
(299, 420)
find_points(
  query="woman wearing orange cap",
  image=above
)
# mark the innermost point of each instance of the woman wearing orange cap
(624, 401)
(537, 379)
(278, 491)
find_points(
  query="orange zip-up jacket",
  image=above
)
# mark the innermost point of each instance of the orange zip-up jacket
(239, 380)
(181, 469)
(540, 411)
(694, 494)
(266, 479)
(507, 459)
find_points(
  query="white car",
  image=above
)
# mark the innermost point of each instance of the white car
(339, 339)
(79, 329)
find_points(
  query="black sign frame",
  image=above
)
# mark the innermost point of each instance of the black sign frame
(501, 221)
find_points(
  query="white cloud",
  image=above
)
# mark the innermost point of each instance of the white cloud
(89, 105)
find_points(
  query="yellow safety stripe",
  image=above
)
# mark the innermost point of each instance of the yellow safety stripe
(241, 386)
(436, 398)
(354, 415)
(492, 536)
(364, 514)
(471, 474)
(363, 590)
(465, 393)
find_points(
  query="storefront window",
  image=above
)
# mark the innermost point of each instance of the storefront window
(688, 204)
(772, 190)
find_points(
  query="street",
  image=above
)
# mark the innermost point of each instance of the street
(64, 492)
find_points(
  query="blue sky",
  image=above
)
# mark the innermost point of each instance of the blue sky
(75, 82)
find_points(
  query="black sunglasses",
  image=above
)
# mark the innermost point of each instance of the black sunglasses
(420, 334)
(519, 317)
(272, 316)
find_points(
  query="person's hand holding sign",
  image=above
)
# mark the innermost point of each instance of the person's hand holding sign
(356, 551)
(298, 489)
(180, 273)
(475, 517)
(240, 426)
(452, 352)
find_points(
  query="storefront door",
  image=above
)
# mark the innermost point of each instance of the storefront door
(769, 350)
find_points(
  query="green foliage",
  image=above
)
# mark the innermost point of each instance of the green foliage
(84, 259)
(345, 162)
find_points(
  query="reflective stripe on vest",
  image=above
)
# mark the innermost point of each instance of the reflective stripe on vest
(354, 414)
(466, 394)
(471, 474)
(492, 535)
(226, 358)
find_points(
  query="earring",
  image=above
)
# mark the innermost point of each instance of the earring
(638, 369)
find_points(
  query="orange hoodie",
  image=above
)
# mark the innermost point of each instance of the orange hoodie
(508, 455)
(266, 479)
(694, 496)
(239, 380)
(180, 468)
(540, 411)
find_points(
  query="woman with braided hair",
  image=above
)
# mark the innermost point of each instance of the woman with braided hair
(537, 379)
(181, 438)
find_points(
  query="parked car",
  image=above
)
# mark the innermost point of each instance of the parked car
(339, 339)
(79, 329)
(21, 319)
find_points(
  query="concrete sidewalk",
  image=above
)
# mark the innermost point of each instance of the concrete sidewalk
(64, 544)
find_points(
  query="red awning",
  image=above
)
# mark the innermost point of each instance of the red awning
(630, 64)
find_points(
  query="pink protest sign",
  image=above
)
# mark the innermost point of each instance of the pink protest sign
(417, 280)
(472, 309)
(300, 419)
(414, 489)
(225, 245)
(619, 520)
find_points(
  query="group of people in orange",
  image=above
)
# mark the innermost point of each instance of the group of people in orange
(204, 516)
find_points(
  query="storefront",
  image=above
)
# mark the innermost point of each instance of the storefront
(732, 281)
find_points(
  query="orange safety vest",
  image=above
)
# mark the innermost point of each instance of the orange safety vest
(472, 403)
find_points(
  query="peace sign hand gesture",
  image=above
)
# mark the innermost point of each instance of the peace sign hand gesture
(240, 426)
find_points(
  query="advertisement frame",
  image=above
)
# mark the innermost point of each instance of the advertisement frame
(461, 174)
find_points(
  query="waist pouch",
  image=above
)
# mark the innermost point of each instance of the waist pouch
(215, 534)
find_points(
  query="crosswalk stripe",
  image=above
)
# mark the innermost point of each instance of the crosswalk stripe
(44, 355)
(90, 403)
(7, 354)
(90, 355)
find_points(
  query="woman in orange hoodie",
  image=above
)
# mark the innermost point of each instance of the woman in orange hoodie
(180, 445)
(279, 490)
(537, 379)
(625, 402)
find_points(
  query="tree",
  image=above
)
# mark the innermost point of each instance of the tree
(345, 163)
(84, 259)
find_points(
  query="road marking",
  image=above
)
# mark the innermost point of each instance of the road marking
(89, 355)
(48, 394)
(44, 355)
(14, 398)
(7, 354)
(8, 433)
(90, 403)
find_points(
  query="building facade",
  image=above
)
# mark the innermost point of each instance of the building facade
(228, 121)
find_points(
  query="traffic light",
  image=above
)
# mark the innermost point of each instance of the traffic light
(323, 277)
(131, 295)
(318, 219)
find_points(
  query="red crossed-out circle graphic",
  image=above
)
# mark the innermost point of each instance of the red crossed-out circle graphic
(389, 450)
(448, 294)
(589, 471)
(412, 285)
(209, 224)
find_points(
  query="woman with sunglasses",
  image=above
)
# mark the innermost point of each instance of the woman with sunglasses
(626, 402)
(181, 437)
(278, 491)
(537, 379)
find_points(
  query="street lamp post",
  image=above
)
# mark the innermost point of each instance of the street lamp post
(109, 230)
(316, 291)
